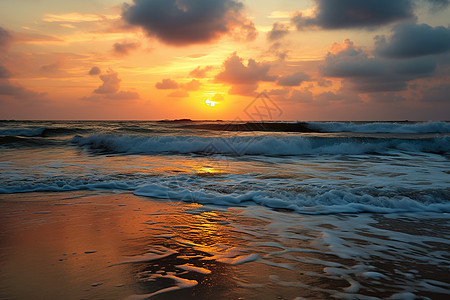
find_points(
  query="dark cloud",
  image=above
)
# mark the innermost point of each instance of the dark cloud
(167, 84)
(332, 14)
(413, 40)
(200, 72)
(438, 4)
(4, 73)
(294, 79)
(278, 31)
(94, 71)
(373, 74)
(243, 79)
(110, 85)
(185, 22)
(5, 37)
(124, 48)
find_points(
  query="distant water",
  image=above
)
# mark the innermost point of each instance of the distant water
(322, 168)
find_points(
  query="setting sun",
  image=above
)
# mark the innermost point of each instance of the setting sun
(210, 103)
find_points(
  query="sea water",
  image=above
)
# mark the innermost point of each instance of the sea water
(325, 187)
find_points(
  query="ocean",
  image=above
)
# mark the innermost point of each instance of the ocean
(368, 202)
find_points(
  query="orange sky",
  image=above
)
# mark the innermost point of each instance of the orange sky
(158, 59)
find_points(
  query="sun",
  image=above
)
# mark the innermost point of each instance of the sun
(210, 103)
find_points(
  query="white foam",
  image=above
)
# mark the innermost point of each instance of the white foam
(192, 268)
(319, 201)
(180, 283)
(158, 252)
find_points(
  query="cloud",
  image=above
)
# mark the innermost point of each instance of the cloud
(179, 94)
(294, 79)
(5, 37)
(438, 93)
(300, 96)
(279, 50)
(278, 92)
(51, 68)
(78, 18)
(243, 79)
(17, 91)
(166, 84)
(94, 71)
(438, 4)
(4, 73)
(200, 72)
(186, 22)
(413, 40)
(34, 38)
(278, 31)
(110, 85)
(332, 14)
(183, 88)
(373, 74)
(124, 48)
(192, 85)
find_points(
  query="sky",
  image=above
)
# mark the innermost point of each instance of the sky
(309, 60)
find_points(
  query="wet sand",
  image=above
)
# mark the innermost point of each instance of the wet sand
(87, 245)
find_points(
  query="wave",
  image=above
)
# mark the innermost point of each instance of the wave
(259, 145)
(325, 201)
(41, 132)
(23, 132)
(319, 199)
(17, 141)
(428, 127)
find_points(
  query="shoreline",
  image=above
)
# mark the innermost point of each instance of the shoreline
(98, 245)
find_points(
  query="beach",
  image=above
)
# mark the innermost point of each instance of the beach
(96, 245)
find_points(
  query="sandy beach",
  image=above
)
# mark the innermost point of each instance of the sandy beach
(96, 245)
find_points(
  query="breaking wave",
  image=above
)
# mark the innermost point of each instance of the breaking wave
(260, 145)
